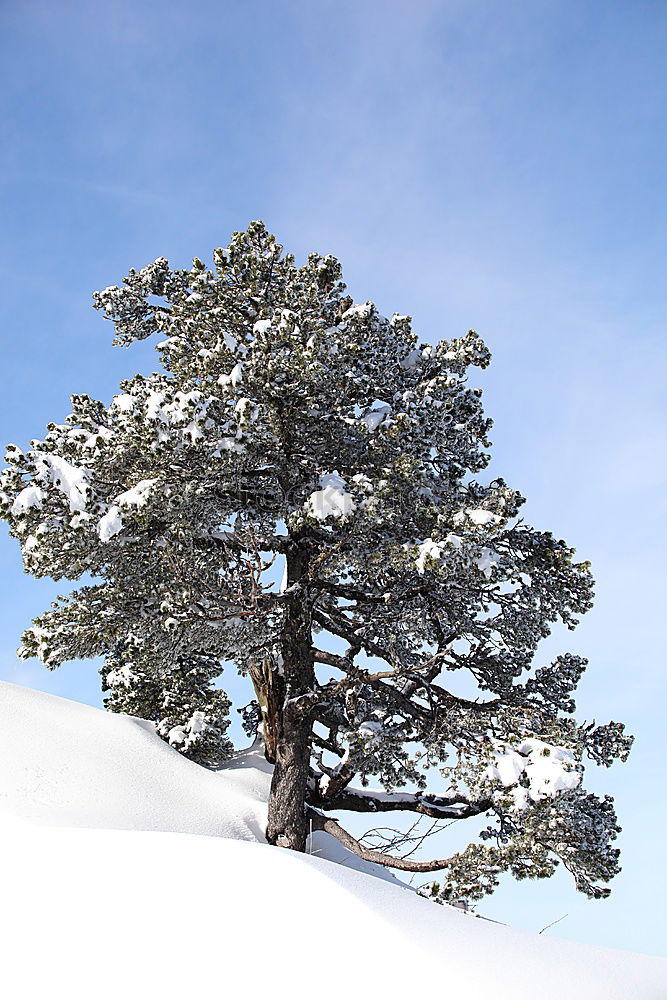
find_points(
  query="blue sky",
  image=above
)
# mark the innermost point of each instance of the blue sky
(475, 164)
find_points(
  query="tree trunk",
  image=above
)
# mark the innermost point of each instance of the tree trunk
(291, 695)
(287, 812)
(270, 692)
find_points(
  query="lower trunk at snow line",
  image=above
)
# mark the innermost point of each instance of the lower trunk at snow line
(291, 685)
(287, 811)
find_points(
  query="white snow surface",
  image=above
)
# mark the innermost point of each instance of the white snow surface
(110, 524)
(427, 550)
(30, 496)
(549, 769)
(124, 401)
(331, 500)
(69, 479)
(129, 872)
(138, 495)
(375, 416)
(67, 764)
(478, 516)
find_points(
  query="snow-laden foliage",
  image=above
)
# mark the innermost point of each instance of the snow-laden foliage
(188, 711)
(293, 431)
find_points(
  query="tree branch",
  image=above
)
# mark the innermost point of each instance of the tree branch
(329, 825)
(332, 659)
(436, 806)
(361, 597)
(351, 637)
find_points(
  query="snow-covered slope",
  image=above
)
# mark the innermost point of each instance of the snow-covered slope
(67, 764)
(72, 765)
(170, 891)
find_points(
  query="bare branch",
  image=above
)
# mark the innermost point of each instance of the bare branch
(341, 630)
(332, 659)
(329, 825)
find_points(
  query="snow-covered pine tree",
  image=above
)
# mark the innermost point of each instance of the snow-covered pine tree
(291, 429)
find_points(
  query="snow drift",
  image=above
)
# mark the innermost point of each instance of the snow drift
(166, 887)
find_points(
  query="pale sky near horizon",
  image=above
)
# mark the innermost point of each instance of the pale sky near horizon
(474, 164)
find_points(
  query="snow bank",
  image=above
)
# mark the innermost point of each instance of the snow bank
(67, 764)
(134, 910)
(109, 913)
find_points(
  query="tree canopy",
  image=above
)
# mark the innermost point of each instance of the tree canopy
(294, 434)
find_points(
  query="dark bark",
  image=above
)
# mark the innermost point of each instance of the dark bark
(292, 691)
(423, 803)
(269, 689)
